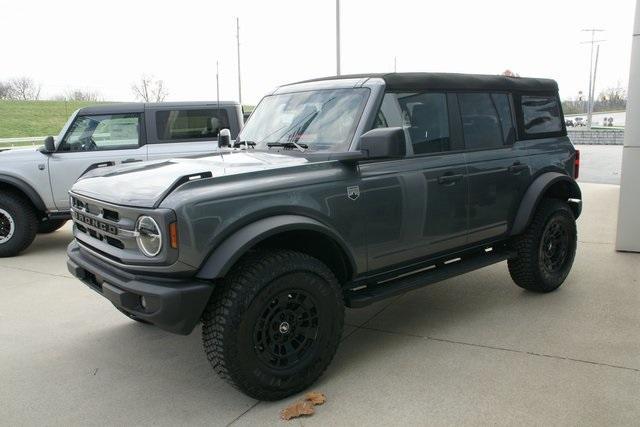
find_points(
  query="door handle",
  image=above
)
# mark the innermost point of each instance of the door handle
(517, 167)
(449, 179)
(131, 160)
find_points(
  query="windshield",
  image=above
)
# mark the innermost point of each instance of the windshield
(322, 120)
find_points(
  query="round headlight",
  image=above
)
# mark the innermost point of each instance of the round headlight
(149, 237)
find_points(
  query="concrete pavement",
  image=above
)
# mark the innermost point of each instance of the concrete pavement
(472, 350)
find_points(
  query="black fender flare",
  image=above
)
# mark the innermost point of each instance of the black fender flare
(536, 191)
(26, 189)
(225, 255)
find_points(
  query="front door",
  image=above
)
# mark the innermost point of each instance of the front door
(416, 207)
(93, 142)
(497, 163)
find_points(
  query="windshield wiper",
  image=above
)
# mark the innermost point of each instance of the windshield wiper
(247, 144)
(288, 144)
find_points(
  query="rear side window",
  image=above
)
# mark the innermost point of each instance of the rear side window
(540, 114)
(176, 125)
(501, 102)
(480, 121)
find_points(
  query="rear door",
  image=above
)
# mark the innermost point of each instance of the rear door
(416, 206)
(185, 131)
(92, 142)
(497, 163)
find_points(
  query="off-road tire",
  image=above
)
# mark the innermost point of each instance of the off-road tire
(528, 269)
(235, 317)
(25, 223)
(50, 225)
(132, 316)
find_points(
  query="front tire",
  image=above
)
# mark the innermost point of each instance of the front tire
(18, 224)
(546, 250)
(274, 324)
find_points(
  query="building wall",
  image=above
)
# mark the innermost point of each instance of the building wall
(596, 137)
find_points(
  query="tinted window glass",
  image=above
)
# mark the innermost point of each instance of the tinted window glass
(480, 121)
(389, 114)
(541, 114)
(501, 102)
(103, 132)
(427, 118)
(190, 124)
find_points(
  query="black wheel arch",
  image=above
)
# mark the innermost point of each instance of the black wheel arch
(296, 232)
(555, 185)
(18, 186)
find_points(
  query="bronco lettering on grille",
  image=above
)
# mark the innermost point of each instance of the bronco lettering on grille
(107, 228)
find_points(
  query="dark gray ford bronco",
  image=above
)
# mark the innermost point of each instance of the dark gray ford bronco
(338, 192)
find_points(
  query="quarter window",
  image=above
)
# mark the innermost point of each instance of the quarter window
(103, 132)
(541, 114)
(176, 125)
(480, 121)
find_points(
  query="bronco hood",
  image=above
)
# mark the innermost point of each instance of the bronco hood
(146, 184)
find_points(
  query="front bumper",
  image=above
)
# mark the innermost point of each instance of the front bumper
(173, 305)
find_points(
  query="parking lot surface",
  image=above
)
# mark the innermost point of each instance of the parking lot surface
(475, 349)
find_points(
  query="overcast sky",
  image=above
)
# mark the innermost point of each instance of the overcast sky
(104, 46)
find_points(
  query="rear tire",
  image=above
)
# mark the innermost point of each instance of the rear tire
(546, 250)
(50, 225)
(18, 224)
(274, 324)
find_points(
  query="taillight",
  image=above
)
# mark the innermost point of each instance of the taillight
(173, 235)
(576, 165)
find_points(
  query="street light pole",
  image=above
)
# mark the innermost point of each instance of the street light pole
(239, 80)
(593, 32)
(337, 37)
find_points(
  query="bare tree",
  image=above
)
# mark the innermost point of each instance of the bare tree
(24, 88)
(510, 73)
(5, 90)
(82, 95)
(150, 90)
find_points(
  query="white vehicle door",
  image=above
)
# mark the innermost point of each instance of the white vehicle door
(184, 131)
(94, 141)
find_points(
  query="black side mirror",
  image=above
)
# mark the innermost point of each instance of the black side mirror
(224, 138)
(383, 143)
(49, 144)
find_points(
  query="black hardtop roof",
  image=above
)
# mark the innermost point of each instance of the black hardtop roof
(454, 81)
(139, 107)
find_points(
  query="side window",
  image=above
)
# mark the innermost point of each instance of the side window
(427, 118)
(389, 114)
(103, 132)
(480, 121)
(501, 102)
(177, 125)
(541, 114)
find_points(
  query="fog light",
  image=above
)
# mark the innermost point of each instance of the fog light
(143, 303)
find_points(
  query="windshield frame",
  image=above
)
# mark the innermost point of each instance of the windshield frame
(355, 132)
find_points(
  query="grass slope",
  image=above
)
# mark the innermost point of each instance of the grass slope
(35, 118)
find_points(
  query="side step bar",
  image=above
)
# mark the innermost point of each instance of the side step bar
(439, 271)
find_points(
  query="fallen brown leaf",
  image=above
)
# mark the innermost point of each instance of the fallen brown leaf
(315, 397)
(296, 409)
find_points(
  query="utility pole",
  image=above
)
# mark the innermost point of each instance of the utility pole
(217, 86)
(239, 79)
(395, 64)
(593, 41)
(337, 37)
(593, 85)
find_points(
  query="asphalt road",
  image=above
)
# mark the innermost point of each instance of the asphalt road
(600, 163)
(473, 350)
